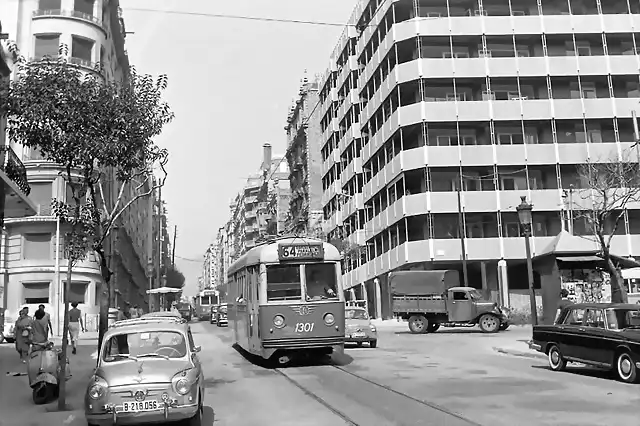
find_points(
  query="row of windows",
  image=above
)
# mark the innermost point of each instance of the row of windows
(405, 10)
(41, 246)
(445, 226)
(35, 293)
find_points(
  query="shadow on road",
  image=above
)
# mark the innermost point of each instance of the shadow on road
(304, 361)
(585, 371)
(208, 416)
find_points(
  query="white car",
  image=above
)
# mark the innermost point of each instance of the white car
(8, 334)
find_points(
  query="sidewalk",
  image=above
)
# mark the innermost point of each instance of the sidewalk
(85, 339)
(16, 392)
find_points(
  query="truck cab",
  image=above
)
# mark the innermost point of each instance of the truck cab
(429, 299)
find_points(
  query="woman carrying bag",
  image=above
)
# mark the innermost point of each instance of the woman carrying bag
(24, 328)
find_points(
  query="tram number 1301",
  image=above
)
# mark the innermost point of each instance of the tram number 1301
(304, 327)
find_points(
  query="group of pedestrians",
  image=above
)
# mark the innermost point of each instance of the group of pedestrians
(31, 331)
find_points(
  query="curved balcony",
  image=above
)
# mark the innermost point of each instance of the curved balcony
(16, 187)
(70, 14)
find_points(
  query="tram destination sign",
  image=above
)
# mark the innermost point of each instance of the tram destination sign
(301, 251)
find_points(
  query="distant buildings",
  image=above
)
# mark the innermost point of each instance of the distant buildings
(304, 137)
(258, 211)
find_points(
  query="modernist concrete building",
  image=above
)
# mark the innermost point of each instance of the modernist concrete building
(497, 98)
(305, 163)
(33, 250)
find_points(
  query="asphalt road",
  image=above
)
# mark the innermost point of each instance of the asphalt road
(455, 371)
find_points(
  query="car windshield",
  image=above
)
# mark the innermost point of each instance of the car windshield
(619, 319)
(321, 281)
(161, 344)
(356, 314)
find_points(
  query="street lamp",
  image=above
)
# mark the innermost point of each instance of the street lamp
(524, 215)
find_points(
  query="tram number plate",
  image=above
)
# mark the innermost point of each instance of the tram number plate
(136, 406)
(304, 327)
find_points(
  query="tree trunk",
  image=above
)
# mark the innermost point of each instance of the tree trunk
(62, 374)
(104, 290)
(618, 292)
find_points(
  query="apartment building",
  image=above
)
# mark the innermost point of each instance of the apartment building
(34, 257)
(494, 99)
(303, 158)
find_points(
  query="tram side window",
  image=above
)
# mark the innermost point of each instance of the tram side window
(321, 281)
(283, 282)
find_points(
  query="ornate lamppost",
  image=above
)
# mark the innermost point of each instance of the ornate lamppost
(525, 218)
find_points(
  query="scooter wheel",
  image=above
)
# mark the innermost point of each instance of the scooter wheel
(43, 393)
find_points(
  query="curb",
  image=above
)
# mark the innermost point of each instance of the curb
(521, 354)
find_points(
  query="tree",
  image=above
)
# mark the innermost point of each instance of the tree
(610, 186)
(101, 134)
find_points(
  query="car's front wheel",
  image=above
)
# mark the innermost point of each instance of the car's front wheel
(556, 361)
(373, 344)
(627, 371)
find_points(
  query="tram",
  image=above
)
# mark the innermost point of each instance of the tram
(203, 302)
(286, 300)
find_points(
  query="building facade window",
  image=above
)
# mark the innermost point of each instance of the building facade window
(84, 7)
(41, 195)
(52, 5)
(82, 49)
(78, 292)
(37, 246)
(35, 293)
(46, 45)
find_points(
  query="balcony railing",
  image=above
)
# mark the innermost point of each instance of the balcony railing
(14, 169)
(68, 14)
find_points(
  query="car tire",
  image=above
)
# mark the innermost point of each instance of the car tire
(418, 324)
(626, 368)
(373, 344)
(9, 340)
(1, 338)
(359, 344)
(555, 358)
(433, 327)
(504, 326)
(489, 323)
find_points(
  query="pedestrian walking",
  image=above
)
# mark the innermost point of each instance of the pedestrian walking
(41, 327)
(75, 325)
(133, 312)
(46, 316)
(24, 329)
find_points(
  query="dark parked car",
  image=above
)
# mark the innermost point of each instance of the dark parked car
(605, 335)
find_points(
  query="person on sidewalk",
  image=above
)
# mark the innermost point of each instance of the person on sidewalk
(47, 316)
(75, 325)
(24, 329)
(133, 312)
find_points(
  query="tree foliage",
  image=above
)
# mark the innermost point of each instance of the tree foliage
(610, 186)
(175, 278)
(101, 134)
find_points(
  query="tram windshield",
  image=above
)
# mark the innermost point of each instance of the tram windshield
(321, 281)
(284, 282)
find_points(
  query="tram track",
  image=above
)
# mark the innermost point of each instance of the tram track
(405, 409)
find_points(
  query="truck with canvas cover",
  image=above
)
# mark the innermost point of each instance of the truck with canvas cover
(429, 299)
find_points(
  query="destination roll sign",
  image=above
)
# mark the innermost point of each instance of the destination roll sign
(303, 251)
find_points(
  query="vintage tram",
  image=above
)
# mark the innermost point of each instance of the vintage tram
(286, 300)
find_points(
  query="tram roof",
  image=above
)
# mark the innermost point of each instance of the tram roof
(268, 252)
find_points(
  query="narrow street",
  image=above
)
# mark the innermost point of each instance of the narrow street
(455, 370)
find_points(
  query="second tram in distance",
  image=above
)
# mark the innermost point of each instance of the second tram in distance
(286, 299)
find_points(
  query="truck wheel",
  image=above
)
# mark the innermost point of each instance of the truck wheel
(489, 323)
(418, 324)
(433, 327)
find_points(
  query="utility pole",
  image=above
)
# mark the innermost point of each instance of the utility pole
(173, 248)
(461, 232)
(636, 134)
(159, 235)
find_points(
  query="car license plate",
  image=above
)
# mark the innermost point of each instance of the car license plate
(137, 406)
(358, 334)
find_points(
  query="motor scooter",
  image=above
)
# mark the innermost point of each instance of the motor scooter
(43, 369)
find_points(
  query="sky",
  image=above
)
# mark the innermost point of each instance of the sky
(231, 83)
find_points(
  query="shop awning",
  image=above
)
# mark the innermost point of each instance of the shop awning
(580, 259)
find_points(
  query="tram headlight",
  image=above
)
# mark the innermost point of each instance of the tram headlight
(329, 319)
(278, 321)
